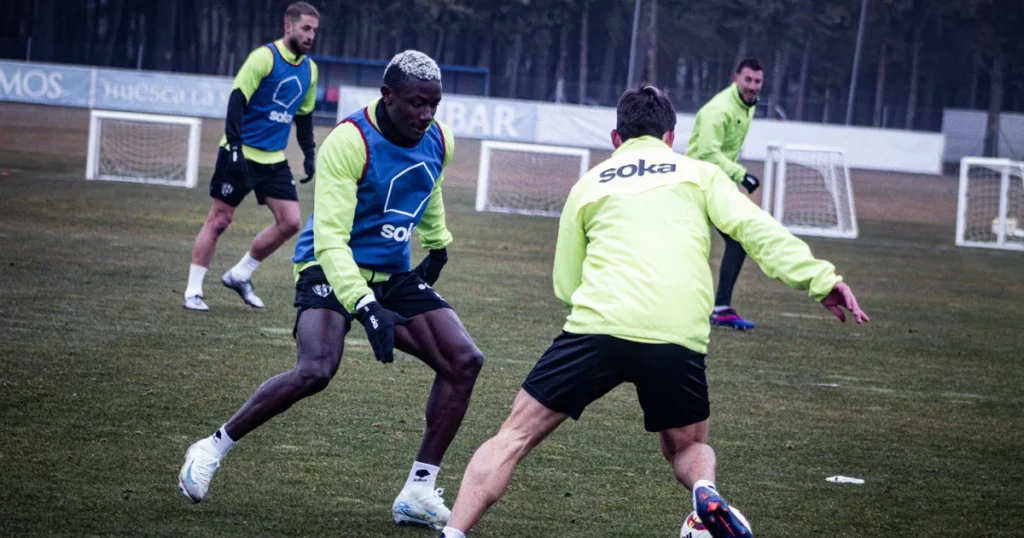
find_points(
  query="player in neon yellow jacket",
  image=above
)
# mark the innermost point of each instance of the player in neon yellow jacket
(718, 133)
(631, 264)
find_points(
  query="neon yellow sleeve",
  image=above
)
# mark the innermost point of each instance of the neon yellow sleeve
(711, 124)
(779, 253)
(570, 250)
(433, 231)
(339, 167)
(309, 101)
(257, 66)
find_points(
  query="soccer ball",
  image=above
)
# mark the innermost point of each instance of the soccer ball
(693, 528)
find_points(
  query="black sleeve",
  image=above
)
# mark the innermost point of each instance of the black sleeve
(304, 133)
(233, 123)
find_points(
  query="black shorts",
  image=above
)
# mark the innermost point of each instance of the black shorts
(580, 368)
(268, 180)
(404, 293)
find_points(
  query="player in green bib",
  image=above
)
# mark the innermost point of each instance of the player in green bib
(631, 264)
(275, 87)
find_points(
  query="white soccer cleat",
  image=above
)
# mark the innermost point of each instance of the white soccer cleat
(201, 463)
(244, 289)
(196, 303)
(422, 507)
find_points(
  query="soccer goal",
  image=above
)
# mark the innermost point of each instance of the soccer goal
(807, 189)
(143, 148)
(990, 210)
(527, 179)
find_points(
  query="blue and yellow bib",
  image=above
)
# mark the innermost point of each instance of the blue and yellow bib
(268, 115)
(391, 197)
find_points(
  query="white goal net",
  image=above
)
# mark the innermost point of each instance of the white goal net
(990, 211)
(143, 148)
(808, 190)
(527, 179)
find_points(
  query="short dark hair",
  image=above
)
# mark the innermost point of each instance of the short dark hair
(644, 110)
(750, 63)
(295, 11)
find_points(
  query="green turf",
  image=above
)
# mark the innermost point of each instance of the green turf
(105, 381)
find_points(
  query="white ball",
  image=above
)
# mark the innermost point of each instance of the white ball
(693, 528)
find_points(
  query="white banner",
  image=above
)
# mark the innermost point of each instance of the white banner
(590, 127)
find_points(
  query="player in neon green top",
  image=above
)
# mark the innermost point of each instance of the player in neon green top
(275, 86)
(718, 133)
(631, 264)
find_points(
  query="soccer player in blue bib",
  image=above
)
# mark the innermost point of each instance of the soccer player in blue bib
(275, 87)
(631, 263)
(380, 174)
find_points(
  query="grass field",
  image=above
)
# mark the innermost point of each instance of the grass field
(105, 380)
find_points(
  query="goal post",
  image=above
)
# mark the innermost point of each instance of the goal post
(527, 179)
(143, 148)
(807, 188)
(990, 204)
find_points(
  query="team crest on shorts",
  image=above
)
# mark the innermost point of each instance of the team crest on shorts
(322, 290)
(226, 189)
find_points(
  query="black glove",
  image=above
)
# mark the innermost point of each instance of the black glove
(750, 183)
(429, 268)
(236, 162)
(309, 166)
(380, 323)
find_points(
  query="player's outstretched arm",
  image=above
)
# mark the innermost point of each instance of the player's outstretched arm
(842, 296)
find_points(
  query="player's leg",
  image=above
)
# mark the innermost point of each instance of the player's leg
(320, 330)
(490, 469)
(687, 450)
(672, 389)
(320, 338)
(574, 371)
(275, 188)
(439, 339)
(226, 194)
(693, 463)
(732, 262)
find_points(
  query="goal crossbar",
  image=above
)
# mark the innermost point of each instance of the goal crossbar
(979, 224)
(831, 179)
(93, 159)
(486, 177)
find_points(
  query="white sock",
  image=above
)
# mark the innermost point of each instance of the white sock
(702, 484)
(451, 532)
(720, 308)
(222, 442)
(245, 267)
(196, 274)
(422, 475)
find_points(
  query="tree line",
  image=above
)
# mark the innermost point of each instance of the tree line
(918, 57)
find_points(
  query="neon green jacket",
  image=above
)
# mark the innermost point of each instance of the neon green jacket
(634, 239)
(719, 131)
